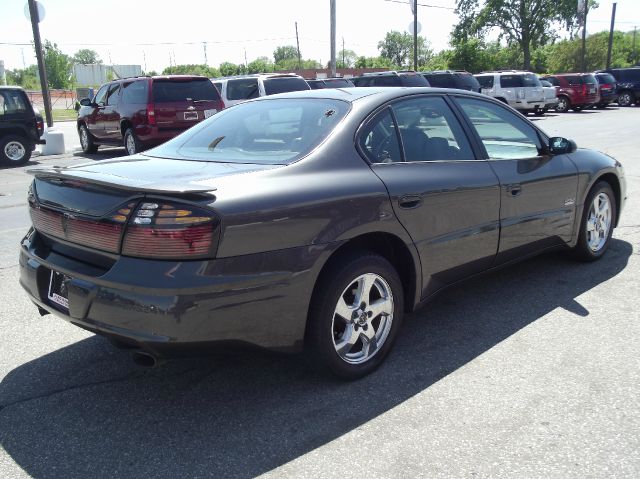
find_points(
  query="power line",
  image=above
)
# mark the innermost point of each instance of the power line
(157, 43)
(422, 4)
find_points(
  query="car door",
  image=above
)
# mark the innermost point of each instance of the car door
(537, 190)
(94, 119)
(110, 114)
(446, 199)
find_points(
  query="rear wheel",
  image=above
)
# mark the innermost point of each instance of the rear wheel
(15, 150)
(86, 140)
(355, 315)
(597, 223)
(626, 98)
(563, 104)
(131, 142)
(578, 108)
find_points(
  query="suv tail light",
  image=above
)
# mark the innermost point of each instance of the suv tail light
(151, 114)
(170, 231)
(585, 89)
(40, 126)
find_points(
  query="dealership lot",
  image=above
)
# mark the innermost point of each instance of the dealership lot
(530, 371)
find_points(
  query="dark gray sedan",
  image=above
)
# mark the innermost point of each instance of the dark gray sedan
(309, 220)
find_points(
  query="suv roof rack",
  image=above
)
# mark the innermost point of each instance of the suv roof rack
(388, 72)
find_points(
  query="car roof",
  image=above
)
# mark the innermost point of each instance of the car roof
(257, 75)
(11, 87)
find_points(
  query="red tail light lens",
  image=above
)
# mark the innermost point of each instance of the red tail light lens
(151, 114)
(40, 126)
(170, 231)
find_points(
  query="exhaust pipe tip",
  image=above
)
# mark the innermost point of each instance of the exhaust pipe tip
(144, 360)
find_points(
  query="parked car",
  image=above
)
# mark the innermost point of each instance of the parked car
(519, 89)
(390, 78)
(607, 88)
(309, 220)
(628, 88)
(21, 126)
(238, 89)
(550, 95)
(141, 112)
(575, 91)
(330, 83)
(459, 79)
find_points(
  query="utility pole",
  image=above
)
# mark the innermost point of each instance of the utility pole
(343, 64)
(204, 45)
(583, 63)
(332, 15)
(35, 19)
(298, 44)
(634, 45)
(613, 21)
(415, 34)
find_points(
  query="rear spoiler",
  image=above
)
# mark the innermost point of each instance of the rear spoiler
(58, 173)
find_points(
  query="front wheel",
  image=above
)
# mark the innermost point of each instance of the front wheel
(131, 142)
(563, 104)
(626, 98)
(86, 140)
(597, 223)
(355, 315)
(15, 150)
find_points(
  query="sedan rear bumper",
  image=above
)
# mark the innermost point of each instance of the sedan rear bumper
(166, 306)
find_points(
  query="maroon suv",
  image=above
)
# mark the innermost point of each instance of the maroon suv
(145, 111)
(575, 90)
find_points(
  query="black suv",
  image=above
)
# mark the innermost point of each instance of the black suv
(391, 78)
(628, 84)
(21, 126)
(458, 79)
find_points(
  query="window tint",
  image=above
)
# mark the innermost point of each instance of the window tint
(362, 81)
(485, 81)
(282, 85)
(337, 83)
(505, 136)
(605, 78)
(243, 89)
(379, 139)
(413, 80)
(545, 83)
(554, 81)
(589, 79)
(273, 132)
(429, 131)
(511, 81)
(102, 93)
(12, 102)
(386, 80)
(179, 90)
(316, 85)
(218, 86)
(113, 94)
(441, 80)
(573, 79)
(466, 82)
(135, 92)
(530, 79)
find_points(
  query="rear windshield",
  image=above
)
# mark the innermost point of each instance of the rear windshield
(337, 83)
(242, 89)
(414, 80)
(605, 78)
(589, 79)
(282, 85)
(181, 90)
(515, 81)
(270, 131)
(485, 81)
(466, 81)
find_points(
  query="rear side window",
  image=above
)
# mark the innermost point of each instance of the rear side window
(554, 81)
(282, 85)
(243, 89)
(485, 81)
(12, 102)
(630, 74)
(177, 90)
(530, 80)
(589, 79)
(573, 79)
(379, 139)
(511, 81)
(135, 92)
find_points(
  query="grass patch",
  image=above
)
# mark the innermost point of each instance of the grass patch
(62, 115)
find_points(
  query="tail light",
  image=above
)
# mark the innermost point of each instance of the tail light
(40, 126)
(170, 231)
(584, 89)
(151, 114)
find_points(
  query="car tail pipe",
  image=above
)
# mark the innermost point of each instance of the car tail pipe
(145, 359)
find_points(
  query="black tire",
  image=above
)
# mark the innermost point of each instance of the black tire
(326, 328)
(15, 150)
(539, 112)
(578, 109)
(131, 142)
(626, 98)
(563, 104)
(582, 250)
(86, 140)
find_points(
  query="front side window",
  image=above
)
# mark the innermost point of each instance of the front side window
(379, 139)
(100, 96)
(271, 132)
(504, 135)
(243, 89)
(430, 131)
(113, 94)
(12, 102)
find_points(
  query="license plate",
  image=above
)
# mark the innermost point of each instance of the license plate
(190, 115)
(58, 289)
(208, 113)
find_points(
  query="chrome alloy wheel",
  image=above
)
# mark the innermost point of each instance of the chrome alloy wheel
(599, 222)
(84, 138)
(131, 145)
(362, 318)
(14, 150)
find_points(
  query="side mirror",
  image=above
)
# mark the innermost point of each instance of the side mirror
(85, 102)
(561, 146)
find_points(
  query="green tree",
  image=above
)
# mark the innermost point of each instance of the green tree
(285, 54)
(260, 65)
(86, 56)
(229, 69)
(203, 70)
(27, 78)
(346, 59)
(398, 48)
(373, 62)
(58, 66)
(529, 24)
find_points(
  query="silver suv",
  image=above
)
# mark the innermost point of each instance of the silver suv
(241, 88)
(519, 89)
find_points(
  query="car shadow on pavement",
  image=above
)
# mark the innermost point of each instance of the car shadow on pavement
(104, 154)
(86, 411)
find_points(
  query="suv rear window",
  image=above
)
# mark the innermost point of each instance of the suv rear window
(440, 80)
(466, 81)
(589, 79)
(12, 102)
(605, 78)
(285, 84)
(179, 90)
(485, 81)
(242, 89)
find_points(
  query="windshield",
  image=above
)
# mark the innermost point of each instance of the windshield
(285, 84)
(272, 132)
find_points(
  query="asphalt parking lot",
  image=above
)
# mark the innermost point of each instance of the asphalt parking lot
(531, 371)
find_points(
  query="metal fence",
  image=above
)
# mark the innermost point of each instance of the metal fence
(60, 99)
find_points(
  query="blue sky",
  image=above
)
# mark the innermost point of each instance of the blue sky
(154, 33)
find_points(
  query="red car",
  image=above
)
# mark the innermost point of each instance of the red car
(142, 112)
(576, 91)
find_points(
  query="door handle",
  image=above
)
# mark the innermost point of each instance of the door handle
(515, 190)
(410, 201)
